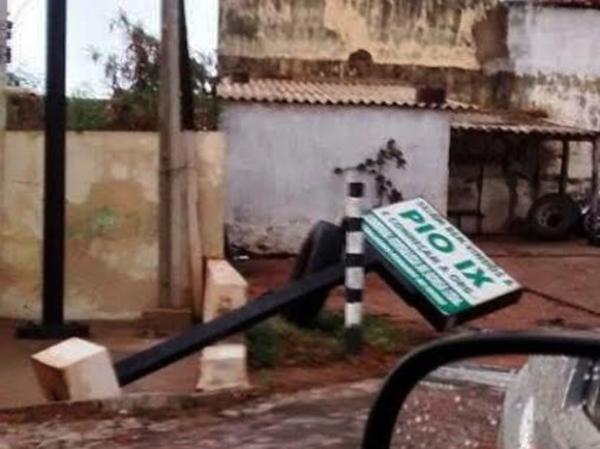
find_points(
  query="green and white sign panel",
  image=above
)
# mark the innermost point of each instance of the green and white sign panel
(436, 258)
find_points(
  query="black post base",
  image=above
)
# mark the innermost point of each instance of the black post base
(33, 331)
(353, 340)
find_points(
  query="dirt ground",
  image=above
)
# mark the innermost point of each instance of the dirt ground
(562, 291)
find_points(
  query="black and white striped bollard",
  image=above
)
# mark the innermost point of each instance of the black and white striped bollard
(354, 259)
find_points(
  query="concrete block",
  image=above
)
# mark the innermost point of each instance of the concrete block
(226, 289)
(222, 367)
(76, 370)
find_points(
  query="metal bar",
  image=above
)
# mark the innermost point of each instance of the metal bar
(174, 349)
(5, 31)
(188, 119)
(480, 184)
(418, 364)
(4, 45)
(595, 205)
(564, 168)
(53, 271)
(537, 174)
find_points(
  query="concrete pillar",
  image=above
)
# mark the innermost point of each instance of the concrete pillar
(76, 370)
(210, 166)
(223, 366)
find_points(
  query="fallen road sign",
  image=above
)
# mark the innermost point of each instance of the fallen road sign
(380, 256)
(447, 270)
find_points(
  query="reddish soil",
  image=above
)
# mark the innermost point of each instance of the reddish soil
(532, 312)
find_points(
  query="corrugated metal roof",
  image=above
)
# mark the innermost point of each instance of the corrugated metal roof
(517, 123)
(326, 93)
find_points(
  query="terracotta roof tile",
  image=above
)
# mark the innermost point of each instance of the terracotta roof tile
(320, 93)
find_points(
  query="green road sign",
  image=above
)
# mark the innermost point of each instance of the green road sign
(445, 266)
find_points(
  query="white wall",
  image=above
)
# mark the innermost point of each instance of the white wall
(555, 53)
(555, 41)
(281, 159)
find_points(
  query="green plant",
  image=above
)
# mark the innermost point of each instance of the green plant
(277, 342)
(381, 334)
(86, 113)
(375, 167)
(263, 342)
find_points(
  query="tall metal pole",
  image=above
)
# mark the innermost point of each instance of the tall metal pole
(4, 60)
(53, 251)
(55, 167)
(3, 103)
(595, 210)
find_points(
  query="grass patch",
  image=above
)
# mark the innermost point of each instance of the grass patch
(279, 343)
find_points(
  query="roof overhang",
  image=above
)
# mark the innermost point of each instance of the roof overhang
(518, 124)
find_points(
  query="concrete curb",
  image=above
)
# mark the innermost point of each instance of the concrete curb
(224, 401)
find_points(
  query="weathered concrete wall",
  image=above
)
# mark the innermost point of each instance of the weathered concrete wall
(282, 157)
(461, 33)
(554, 68)
(554, 57)
(112, 250)
(554, 41)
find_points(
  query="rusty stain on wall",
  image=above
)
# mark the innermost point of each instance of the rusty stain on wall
(114, 210)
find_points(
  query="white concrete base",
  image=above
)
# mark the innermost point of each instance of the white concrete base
(223, 367)
(76, 370)
(226, 289)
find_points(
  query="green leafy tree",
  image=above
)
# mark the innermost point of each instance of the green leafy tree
(133, 77)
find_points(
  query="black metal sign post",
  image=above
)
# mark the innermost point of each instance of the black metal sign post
(53, 266)
(171, 350)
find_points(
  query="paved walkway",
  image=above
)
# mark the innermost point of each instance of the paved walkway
(329, 418)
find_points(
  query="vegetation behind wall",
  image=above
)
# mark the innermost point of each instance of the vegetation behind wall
(133, 77)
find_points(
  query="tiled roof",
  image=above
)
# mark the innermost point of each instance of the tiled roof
(321, 93)
(558, 3)
(517, 123)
